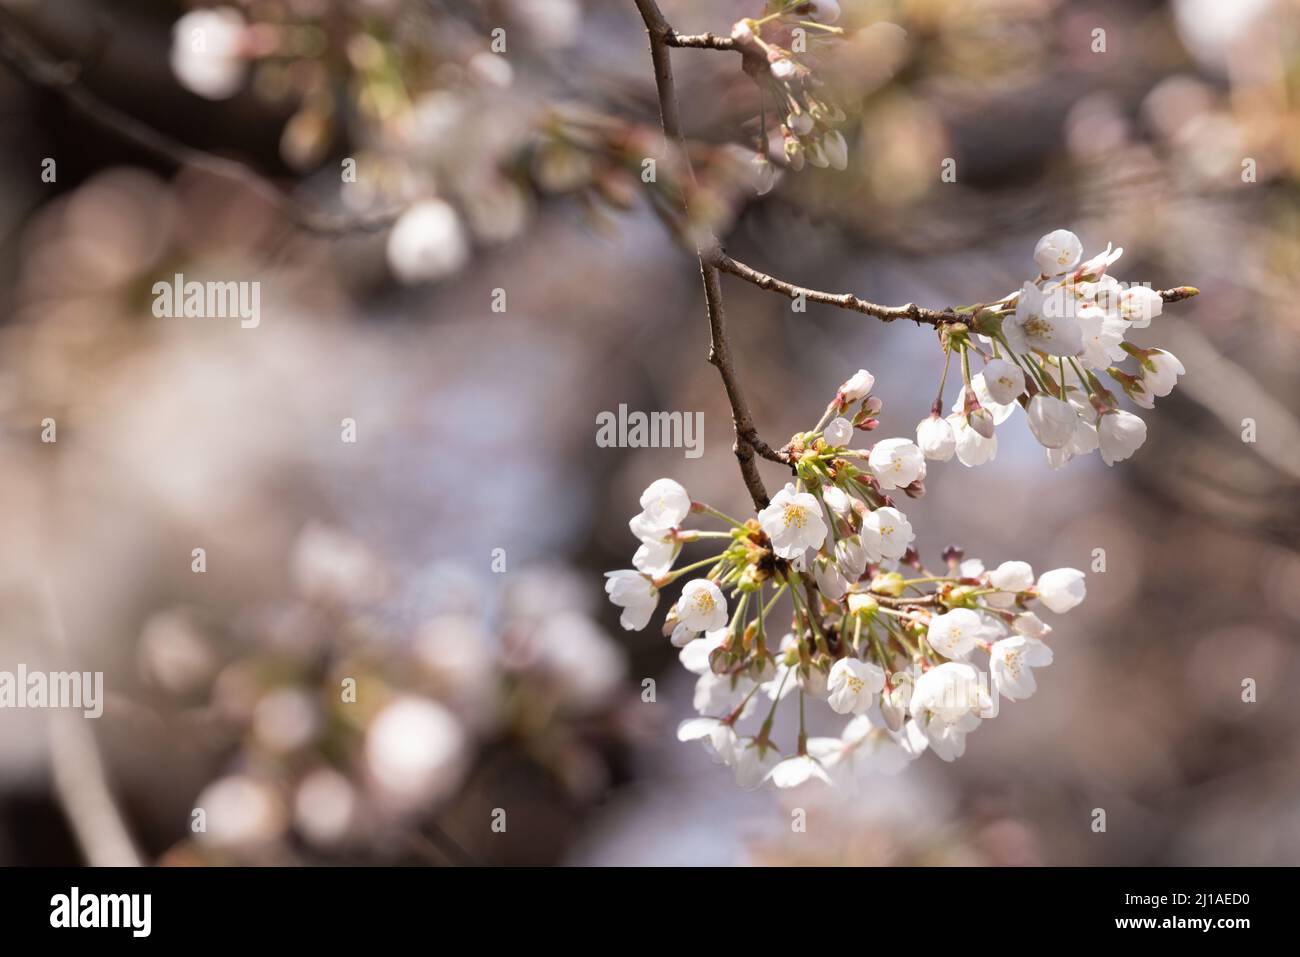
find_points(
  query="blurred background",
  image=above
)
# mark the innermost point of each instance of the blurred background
(448, 561)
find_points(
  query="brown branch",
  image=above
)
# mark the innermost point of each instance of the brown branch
(40, 68)
(846, 300)
(747, 444)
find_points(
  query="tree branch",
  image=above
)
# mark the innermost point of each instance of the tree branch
(846, 300)
(700, 41)
(40, 68)
(747, 441)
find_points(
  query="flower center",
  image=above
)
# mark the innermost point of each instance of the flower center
(1038, 327)
(795, 515)
(856, 684)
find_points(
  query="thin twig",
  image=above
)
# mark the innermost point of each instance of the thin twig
(40, 68)
(747, 444)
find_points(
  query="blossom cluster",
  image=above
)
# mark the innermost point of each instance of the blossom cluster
(775, 47)
(355, 706)
(870, 632)
(1044, 349)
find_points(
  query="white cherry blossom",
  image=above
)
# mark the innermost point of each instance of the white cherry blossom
(1044, 323)
(839, 432)
(886, 533)
(896, 463)
(972, 448)
(1011, 661)
(858, 386)
(1061, 589)
(1120, 434)
(793, 521)
(853, 685)
(635, 594)
(1004, 381)
(935, 438)
(1051, 420)
(1058, 252)
(702, 606)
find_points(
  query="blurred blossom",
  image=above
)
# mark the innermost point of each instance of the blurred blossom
(240, 813)
(324, 807)
(416, 752)
(331, 566)
(207, 50)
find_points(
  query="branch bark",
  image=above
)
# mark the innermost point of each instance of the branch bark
(747, 445)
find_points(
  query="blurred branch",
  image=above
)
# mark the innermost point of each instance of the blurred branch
(747, 444)
(1232, 395)
(42, 69)
(80, 781)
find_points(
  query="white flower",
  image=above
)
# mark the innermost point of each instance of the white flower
(694, 656)
(858, 386)
(839, 432)
(1161, 379)
(971, 447)
(952, 693)
(416, 750)
(206, 52)
(886, 533)
(427, 243)
(1096, 267)
(947, 703)
(655, 558)
(1120, 435)
(1057, 252)
(894, 702)
(1102, 335)
(664, 506)
(1004, 380)
(824, 11)
(1012, 576)
(702, 606)
(935, 438)
(1031, 626)
(991, 411)
(896, 463)
(1061, 589)
(837, 151)
(1011, 661)
(837, 500)
(635, 594)
(851, 556)
(784, 68)
(1083, 441)
(800, 123)
(1052, 420)
(793, 772)
(830, 580)
(957, 633)
(753, 762)
(853, 684)
(1043, 322)
(1139, 305)
(241, 813)
(718, 737)
(717, 695)
(793, 522)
